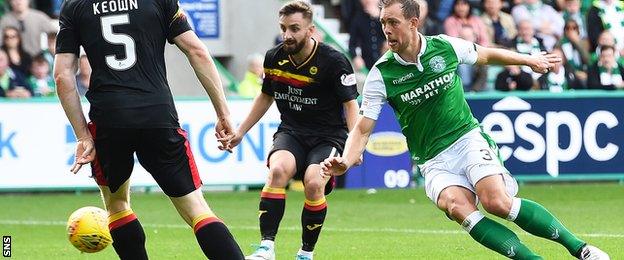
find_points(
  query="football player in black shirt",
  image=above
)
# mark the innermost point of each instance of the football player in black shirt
(132, 111)
(314, 88)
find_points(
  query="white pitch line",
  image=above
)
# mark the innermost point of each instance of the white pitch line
(294, 228)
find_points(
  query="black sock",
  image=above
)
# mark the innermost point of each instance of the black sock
(128, 236)
(271, 210)
(312, 218)
(216, 241)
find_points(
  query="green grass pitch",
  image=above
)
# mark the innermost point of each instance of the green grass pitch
(391, 224)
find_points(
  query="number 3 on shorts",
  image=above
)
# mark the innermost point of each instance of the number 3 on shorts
(487, 155)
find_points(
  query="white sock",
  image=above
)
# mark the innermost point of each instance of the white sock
(268, 243)
(472, 220)
(515, 209)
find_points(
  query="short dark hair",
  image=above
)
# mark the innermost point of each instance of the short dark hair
(571, 22)
(297, 7)
(463, 2)
(607, 47)
(40, 58)
(410, 8)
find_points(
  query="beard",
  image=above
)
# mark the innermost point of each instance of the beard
(293, 46)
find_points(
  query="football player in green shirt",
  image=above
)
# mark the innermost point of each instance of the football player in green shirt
(458, 161)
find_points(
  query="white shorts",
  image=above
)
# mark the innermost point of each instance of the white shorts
(463, 164)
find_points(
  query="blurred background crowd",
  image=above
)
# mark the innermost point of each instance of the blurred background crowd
(587, 34)
(27, 51)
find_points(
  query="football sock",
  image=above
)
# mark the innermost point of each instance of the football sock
(215, 239)
(537, 220)
(312, 218)
(128, 236)
(496, 237)
(271, 211)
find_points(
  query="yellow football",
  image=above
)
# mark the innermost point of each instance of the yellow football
(88, 229)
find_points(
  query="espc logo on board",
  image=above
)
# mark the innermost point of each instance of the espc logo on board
(582, 134)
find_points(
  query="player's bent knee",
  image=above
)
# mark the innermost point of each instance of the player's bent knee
(314, 190)
(279, 173)
(456, 205)
(458, 208)
(314, 184)
(497, 205)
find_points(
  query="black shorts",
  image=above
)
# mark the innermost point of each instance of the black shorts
(306, 149)
(164, 152)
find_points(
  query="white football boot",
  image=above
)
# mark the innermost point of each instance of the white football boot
(266, 251)
(304, 255)
(593, 253)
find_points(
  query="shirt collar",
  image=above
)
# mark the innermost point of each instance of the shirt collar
(423, 47)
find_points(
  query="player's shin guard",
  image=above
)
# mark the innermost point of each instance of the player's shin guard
(537, 220)
(271, 211)
(215, 239)
(496, 237)
(128, 236)
(312, 219)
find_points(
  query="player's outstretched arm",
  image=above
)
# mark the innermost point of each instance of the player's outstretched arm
(208, 76)
(540, 63)
(261, 104)
(65, 67)
(351, 109)
(356, 142)
(205, 70)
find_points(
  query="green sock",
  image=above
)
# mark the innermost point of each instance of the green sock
(496, 237)
(535, 219)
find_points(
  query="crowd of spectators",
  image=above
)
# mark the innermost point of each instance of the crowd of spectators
(28, 38)
(587, 34)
